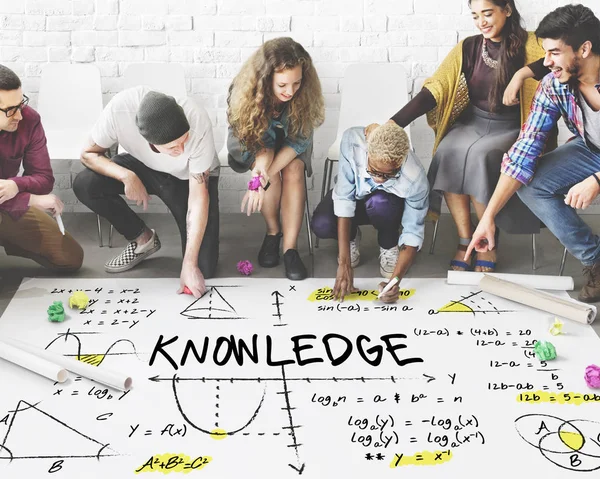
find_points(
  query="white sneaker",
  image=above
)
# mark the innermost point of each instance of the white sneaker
(387, 261)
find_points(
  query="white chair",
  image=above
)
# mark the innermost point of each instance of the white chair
(167, 78)
(69, 103)
(371, 93)
(223, 160)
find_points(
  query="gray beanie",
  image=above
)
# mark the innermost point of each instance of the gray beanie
(160, 119)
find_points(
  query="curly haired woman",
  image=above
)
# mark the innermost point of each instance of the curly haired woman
(274, 105)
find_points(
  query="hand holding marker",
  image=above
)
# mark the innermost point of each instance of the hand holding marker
(388, 286)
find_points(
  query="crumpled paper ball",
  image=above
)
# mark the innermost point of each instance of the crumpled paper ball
(245, 267)
(592, 376)
(56, 312)
(254, 184)
(545, 350)
(79, 300)
(556, 327)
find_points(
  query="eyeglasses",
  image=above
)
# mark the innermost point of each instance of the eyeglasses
(12, 111)
(383, 176)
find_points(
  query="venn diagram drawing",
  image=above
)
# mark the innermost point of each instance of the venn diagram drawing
(572, 444)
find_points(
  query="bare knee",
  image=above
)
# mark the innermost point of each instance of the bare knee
(294, 172)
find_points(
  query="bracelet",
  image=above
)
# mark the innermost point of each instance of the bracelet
(596, 178)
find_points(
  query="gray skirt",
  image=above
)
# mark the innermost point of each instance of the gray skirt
(240, 162)
(467, 162)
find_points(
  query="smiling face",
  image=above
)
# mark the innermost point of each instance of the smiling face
(489, 18)
(561, 59)
(286, 83)
(10, 99)
(175, 148)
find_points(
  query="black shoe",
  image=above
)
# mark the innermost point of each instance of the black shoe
(294, 267)
(268, 256)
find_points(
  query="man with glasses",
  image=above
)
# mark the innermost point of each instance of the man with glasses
(169, 152)
(380, 182)
(26, 229)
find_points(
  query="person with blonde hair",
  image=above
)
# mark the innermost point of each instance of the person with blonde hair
(274, 105)
(380, 182)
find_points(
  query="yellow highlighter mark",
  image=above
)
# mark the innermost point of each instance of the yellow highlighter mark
(571, 439)
(425, 458)
(168, 463)
(558, 398)
(455, 307)
(325, 294)
(93, 359)
(218, 434)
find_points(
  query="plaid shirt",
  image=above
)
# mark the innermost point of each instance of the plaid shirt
(552, 100)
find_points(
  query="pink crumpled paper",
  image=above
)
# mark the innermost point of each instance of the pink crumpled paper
(592, 376)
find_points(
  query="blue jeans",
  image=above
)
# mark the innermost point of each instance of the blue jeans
(556, 173)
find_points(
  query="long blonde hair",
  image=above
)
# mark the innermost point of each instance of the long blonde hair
(251, 100)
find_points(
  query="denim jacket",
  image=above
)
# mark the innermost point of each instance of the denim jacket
(244, 158)
(354, 183)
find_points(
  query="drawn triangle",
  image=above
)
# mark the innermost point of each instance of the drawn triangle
(455, 307)
(211, 306)
(35, 434)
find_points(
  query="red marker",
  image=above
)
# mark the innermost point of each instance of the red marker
(186, 290)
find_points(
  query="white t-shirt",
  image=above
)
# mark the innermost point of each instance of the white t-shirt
(117, 125)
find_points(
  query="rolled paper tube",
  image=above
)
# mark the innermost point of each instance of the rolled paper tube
(102, 375)
(33, 363)
(570, 309)
(552, 283)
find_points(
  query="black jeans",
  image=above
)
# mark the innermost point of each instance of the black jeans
(102, 195)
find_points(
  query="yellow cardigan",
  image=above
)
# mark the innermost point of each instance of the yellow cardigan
(449, 88)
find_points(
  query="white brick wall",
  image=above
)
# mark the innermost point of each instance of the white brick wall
(211, 38)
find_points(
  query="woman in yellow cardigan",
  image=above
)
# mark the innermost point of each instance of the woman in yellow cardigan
(473, 128)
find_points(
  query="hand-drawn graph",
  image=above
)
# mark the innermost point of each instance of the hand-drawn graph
(30, 430)
(572, 444)
(69, 344)
(474, 303)
(264, 396)
(212, 305)
(202, 403)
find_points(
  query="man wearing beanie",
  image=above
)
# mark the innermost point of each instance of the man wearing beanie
(168, 152)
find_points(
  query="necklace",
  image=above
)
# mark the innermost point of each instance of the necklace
(486, 57)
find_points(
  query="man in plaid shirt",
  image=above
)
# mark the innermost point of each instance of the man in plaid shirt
(569, 177)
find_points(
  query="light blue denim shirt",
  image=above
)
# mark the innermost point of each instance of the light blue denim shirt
(354, 183)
